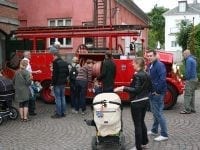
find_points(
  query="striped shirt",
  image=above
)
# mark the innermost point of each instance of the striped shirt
(85, 73)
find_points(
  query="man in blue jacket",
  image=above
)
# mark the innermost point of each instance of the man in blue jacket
(190, 83)
(157, 72)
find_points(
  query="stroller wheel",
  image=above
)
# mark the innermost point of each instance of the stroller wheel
(13, 113)
(1, 120)
(94, 143)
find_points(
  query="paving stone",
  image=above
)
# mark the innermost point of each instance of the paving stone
(71, 132)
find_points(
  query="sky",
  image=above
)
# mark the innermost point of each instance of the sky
(147, 5)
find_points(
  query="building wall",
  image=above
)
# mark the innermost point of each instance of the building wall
(124, 16)
(171, 29)
(8, 22)
(78, 10)
(33, 11)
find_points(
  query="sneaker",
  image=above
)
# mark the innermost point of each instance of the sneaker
(185, 112)
(161, 138)
(55, 116)
(74, 111)
(193, 111)
(152, 133)
(145, 146)
(63, 115)
(83, 112)
(134, 148)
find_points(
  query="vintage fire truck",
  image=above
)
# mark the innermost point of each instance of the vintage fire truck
(42, 59)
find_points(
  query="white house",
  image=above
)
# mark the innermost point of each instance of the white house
(184, 11)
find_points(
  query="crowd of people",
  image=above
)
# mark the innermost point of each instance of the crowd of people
(148, 86)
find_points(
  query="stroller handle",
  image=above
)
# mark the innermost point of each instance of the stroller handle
(106, 101)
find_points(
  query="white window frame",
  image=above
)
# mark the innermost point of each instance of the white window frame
(173, 44)
(182, 6)
(64, 45)
(88, 45)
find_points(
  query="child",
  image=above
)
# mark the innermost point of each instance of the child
(97, 89)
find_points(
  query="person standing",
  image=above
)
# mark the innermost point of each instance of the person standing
(55, 47)
(27, 57)
(157, 72)
(84, 77)
(22, 81)
(59, 80)
(73, 72)
(139, 91)
(108, 73)
(190, 83)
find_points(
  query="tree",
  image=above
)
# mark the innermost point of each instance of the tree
(183, 35)
(157, 26)
(194, 44)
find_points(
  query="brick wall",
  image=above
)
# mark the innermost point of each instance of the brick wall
(7, 27)
(8, 12)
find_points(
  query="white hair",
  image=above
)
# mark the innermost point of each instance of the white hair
(26, 53)
(57, 43)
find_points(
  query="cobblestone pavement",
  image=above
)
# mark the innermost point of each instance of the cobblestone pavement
(71, 133)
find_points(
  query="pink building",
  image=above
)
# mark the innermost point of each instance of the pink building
(82, 13)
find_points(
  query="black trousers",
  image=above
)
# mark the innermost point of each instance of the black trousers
(31, 106)
(73, 93)
(138, 111)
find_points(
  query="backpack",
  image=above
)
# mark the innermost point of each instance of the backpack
(73, 73)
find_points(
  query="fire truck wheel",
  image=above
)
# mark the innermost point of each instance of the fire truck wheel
(170, 98)
(47, 95)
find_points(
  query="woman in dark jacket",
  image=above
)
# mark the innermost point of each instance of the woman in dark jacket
(138, 92)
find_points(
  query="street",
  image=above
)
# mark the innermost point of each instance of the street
(71, 132)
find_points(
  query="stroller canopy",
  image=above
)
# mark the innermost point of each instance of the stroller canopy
(107, 113)
(5, 85)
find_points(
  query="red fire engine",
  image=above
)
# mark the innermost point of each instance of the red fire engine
(41, 59)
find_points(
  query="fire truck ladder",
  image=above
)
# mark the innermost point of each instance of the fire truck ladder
(100, 16)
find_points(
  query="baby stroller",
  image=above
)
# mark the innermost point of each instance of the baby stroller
(107, 113)
(6, 97)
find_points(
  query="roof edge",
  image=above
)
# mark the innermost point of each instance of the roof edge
(129, 5)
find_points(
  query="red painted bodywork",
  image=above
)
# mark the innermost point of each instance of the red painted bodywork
(124, 72)
(41, 60)
(31, 14)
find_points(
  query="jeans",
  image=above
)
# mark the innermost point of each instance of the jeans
(59, 93)
(31, 105)
(138, 111)
(81, 91)
(189, 95)
(157, 105)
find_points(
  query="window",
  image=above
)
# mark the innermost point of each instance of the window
(173, 44)
(52, 23)
(174, 30)
(182, 6)
(88, 41)
(65, 42)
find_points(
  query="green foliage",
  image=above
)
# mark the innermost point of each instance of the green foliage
(183, 36)
(152, 40)
(157, 26)
(194, 44)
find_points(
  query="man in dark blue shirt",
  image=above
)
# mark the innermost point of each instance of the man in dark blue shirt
(190, 83)
(157, 72)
